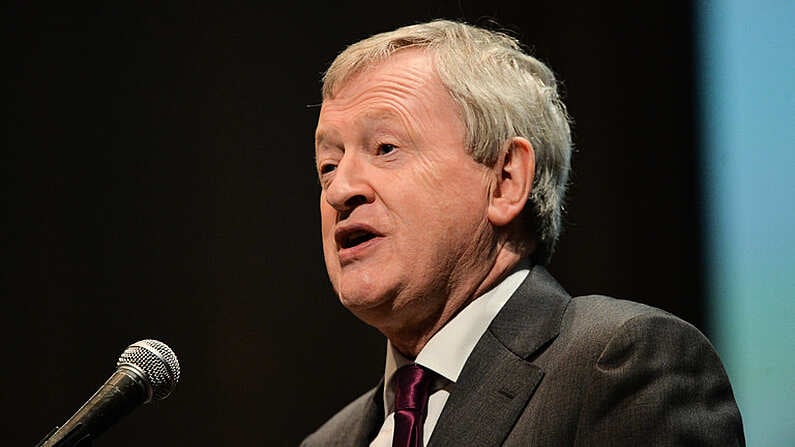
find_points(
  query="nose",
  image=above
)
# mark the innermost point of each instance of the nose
(350, 186)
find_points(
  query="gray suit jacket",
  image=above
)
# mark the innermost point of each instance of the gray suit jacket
(552, 370)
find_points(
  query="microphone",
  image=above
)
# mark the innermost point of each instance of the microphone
(146, 370)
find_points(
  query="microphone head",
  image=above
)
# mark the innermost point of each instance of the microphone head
(158, 363)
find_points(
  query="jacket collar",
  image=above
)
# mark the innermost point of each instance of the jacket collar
(498, 378)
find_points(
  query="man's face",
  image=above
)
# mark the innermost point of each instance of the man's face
(403, 205)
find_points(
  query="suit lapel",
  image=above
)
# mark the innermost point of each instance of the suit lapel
(490, 394)
(363, 425)
(498, 379)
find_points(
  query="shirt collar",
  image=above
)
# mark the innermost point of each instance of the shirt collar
(448, 350)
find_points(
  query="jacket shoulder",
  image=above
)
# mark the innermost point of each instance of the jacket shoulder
(351, 425)
(653, 376)
(597, 325)
(599, 317)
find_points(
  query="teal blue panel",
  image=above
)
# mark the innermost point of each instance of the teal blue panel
(747, 88)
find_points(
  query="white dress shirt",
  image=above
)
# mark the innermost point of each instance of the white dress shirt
(445, 354)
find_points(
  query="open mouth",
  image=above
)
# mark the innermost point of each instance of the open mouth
(356, 237)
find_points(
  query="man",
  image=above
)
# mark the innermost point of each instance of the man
(443, 156)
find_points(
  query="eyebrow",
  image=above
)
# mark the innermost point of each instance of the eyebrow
(370, 119)
(379, 114)
(323, 135)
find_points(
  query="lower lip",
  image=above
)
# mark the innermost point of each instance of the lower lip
(348, 255)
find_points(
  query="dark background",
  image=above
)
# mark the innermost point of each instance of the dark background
(160, 183)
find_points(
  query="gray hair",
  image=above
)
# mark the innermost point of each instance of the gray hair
(503, 93)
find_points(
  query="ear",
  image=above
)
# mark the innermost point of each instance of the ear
(514, 170)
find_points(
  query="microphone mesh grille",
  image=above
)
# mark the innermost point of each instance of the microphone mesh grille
(157, 361)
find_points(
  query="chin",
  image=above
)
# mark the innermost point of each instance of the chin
(357, 300)
(365, 299)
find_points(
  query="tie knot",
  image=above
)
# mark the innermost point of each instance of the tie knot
(412, 387)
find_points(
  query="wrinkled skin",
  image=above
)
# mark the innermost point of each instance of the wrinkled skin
(394, 170)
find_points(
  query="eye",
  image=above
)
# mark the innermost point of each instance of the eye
(327, 167)
(385, 148)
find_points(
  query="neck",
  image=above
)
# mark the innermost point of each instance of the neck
(410, 339)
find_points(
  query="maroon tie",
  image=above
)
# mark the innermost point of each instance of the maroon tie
(412, 388)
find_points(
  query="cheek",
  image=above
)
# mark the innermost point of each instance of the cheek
(332, 264)
(442, 209)
(459, 199)
(327, 216)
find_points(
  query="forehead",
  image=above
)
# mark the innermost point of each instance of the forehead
(404, 85)
(413, 65)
